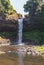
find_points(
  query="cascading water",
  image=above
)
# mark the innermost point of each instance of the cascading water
(20, 28)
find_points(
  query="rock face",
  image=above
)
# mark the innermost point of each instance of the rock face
(4, 41)
(8, 25)
(11, 23)
(13, 16)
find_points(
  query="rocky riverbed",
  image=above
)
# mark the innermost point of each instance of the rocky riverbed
(23, 49)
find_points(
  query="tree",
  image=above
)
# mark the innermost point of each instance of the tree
(36, 16)
(36, 12)
(33, 7)
(6, 8)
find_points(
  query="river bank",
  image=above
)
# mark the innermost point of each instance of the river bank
(27, 49)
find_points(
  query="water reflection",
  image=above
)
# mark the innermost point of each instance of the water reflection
(21, 56)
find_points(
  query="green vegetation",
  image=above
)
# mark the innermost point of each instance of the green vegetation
(39, 49)
(36, 13)
(35, 18)
(8, 34)
(6, 9)
(38, 37)
(5, 6)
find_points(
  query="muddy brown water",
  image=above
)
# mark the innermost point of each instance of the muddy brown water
(19, 59)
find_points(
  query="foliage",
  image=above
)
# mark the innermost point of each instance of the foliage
(36, 18)
(6, 8)
(35, 36)
(33, 6)
(6, 5)
(8, 34)
(36, 12)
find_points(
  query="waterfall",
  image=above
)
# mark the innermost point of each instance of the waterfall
(20, 28)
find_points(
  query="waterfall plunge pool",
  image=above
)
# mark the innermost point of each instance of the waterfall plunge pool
(19, 59)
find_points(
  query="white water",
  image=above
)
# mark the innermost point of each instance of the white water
(20, 28)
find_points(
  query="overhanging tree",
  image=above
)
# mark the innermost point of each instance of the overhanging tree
(33, 7)
(5, 7)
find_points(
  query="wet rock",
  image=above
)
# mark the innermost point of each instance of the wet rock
(2, 52)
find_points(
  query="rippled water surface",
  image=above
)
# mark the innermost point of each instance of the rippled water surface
(19, 59)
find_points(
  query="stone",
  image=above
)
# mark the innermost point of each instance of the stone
(2, 52)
